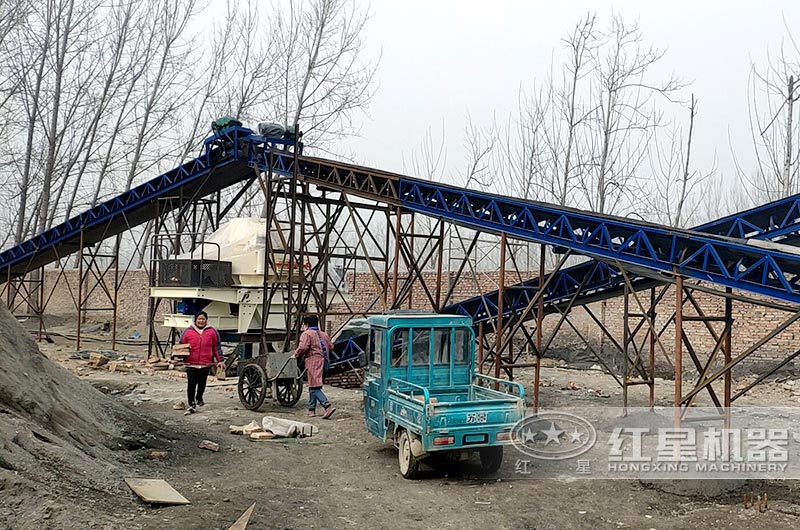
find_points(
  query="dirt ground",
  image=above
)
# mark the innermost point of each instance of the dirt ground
(344, 478)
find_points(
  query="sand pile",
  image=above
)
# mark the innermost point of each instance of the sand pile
(59, 436)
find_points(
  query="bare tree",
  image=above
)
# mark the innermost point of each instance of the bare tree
(323, 78)
(624, 116)
(772, 95)
(480, 145)
(581, 44)
(30, 76)
(677, 192)
(13, 17)
(111, 80)
(581, 136)
(525, 153)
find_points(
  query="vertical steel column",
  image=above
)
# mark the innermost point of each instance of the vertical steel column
(414, 258)
(626, 339)
(116, 294)
(152, 303)
(386, 264)
(510, 369)
(302, 285)
(440, 258)
(290, 284)
(8, 287)
(396, 272)
(539, 323)
(267, 288)
(726, 350)
(500, 296)
(326, 268)
(80, 291)
(40, 309)
(651, 314)
(678, 348)
(480, 348)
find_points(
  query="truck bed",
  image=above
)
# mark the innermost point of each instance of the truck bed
(472, 415)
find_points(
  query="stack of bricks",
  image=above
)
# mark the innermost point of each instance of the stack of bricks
(351, 379)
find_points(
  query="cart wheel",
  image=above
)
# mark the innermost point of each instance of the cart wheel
(289, 391)
(491, 459)
(409, 464)
(252, 387)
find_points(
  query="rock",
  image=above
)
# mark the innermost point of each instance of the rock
(118, 366)
(97, 359)
(158, 455)
(208, 444)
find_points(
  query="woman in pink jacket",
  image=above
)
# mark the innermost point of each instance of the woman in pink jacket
(204, 350)
(314, 347)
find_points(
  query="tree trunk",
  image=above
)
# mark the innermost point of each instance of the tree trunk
(787, 157)
(32, 118)
(685, 179)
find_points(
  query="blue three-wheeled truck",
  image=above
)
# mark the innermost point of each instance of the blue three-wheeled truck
(421, 392)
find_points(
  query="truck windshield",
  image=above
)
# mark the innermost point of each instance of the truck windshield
(399, 347)
(375, 347)
(441, 346)
(420, 347)
(462, 349)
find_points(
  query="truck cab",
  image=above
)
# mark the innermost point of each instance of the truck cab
(421, 391)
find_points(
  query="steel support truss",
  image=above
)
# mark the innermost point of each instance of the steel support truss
(92, 280)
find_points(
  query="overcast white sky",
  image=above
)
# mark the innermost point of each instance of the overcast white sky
(443, 59)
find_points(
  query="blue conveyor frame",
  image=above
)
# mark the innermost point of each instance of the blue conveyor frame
(715, 253)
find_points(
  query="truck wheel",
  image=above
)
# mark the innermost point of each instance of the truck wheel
(491, 459)
(409, 464)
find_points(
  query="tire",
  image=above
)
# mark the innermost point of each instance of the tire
(491, 458)
(252, 387)
(289, 391)
(409, 464)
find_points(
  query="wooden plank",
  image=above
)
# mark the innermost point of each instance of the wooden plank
(241, 522)
(155, 491)
(226, 382)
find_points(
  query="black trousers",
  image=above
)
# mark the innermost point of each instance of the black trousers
(196, 379)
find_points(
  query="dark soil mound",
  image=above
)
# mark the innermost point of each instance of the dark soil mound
(60, 438)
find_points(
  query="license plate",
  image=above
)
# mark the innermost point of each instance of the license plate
(476, 417)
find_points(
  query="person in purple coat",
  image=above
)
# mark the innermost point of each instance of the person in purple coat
(204, 350)
(314, 348)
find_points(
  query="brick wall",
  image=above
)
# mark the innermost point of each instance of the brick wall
(62, 290)
(750, 322)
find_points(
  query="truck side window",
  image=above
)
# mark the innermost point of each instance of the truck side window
(399, 347)
(420, 347)
(462, 346)
(375, 349)
(441, 346)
